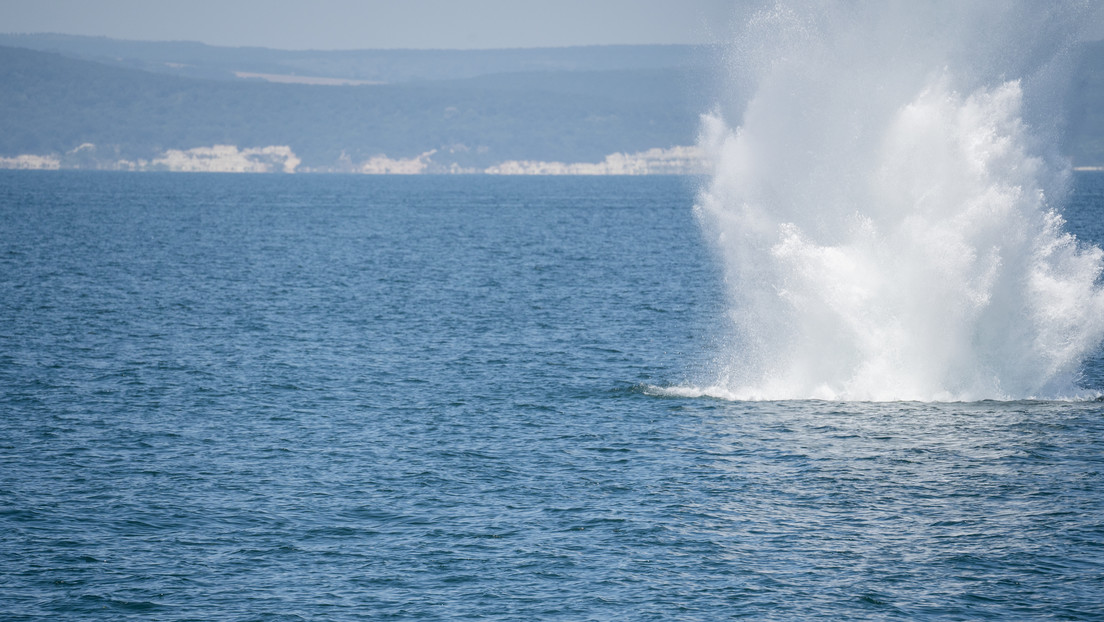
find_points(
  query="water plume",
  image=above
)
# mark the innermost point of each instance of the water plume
(887, 207)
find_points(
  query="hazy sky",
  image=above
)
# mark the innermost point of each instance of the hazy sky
(353, 24)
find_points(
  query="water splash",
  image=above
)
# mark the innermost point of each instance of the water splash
(885, 210)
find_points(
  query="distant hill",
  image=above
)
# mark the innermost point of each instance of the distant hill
(1084, 137)
(190, 59)
(93, 102)
(53, 104)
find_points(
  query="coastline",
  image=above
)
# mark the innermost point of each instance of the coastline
(281, 159)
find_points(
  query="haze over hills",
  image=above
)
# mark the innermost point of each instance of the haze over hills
(1084, 136)
(198, 60)
(91, 102)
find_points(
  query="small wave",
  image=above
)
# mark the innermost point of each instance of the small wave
(751, 395)
(743, 394)
(691, 391)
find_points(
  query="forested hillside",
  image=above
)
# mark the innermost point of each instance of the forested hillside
(1084, 138)
(52, 104)
(470, 109)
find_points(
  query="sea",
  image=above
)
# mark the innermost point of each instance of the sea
(337, 397)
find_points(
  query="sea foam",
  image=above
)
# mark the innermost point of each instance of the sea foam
(887, 207)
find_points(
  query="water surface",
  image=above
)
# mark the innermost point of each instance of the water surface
(252, 397)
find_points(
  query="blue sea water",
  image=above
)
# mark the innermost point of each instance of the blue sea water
(334, 397)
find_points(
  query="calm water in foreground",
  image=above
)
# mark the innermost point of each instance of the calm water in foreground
(281, 398)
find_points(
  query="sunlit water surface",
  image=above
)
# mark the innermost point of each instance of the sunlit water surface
(279, 398)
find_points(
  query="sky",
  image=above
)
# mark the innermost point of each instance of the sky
(365, 24)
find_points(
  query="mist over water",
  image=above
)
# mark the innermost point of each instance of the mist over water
(887, 206)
